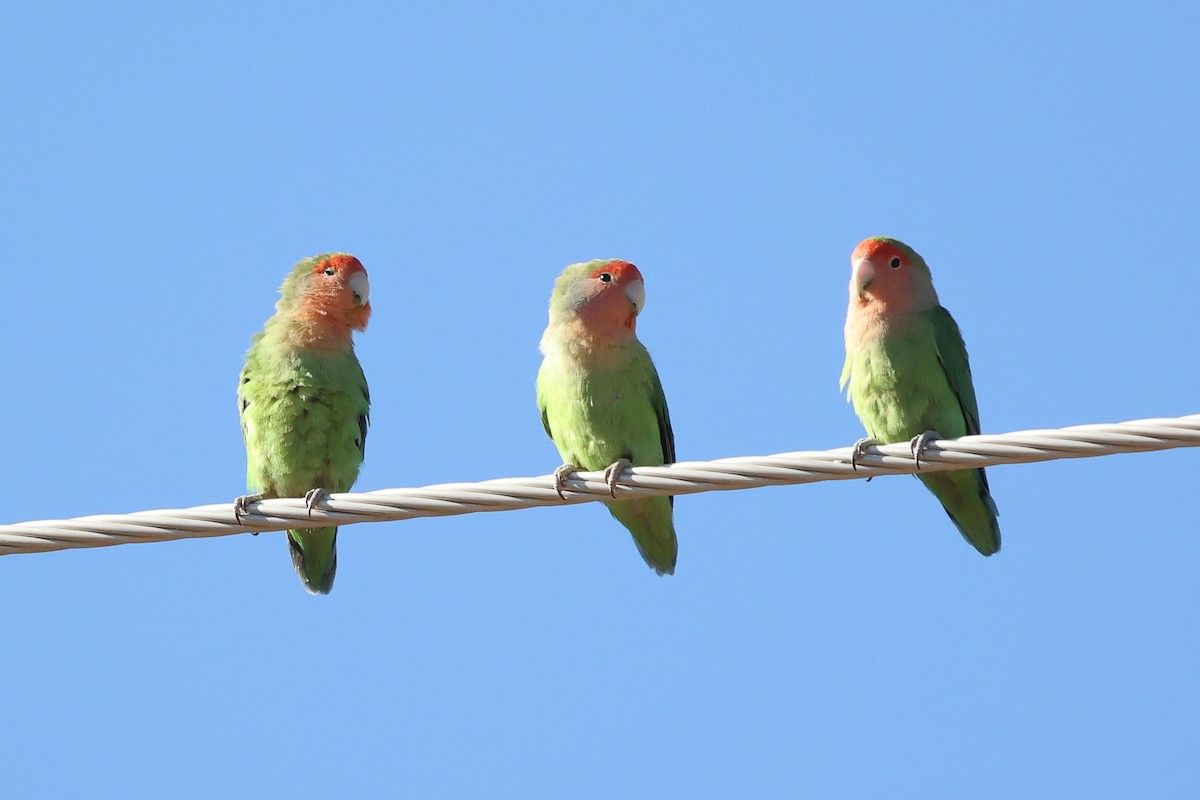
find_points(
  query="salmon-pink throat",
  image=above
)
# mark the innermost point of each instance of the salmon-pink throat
(335, 303)
(881, 273)
(615, 295)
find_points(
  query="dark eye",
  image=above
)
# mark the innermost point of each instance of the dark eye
(605, 277)
(895, 262)
(332, 271)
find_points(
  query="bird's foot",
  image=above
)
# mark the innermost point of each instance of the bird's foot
(612, 473)
(920, 444)
(860, 450)
(560, 478)
(314, 498)
(241, 505)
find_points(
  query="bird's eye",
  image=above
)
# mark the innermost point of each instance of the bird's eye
(332, 271)
(605, 277)
(895, 262)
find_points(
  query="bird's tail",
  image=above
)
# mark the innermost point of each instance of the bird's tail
(965, 496)
(314, 555)
(650, 521)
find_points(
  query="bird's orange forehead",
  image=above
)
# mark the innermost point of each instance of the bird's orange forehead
(342, 262)
(873, 247)
(622, 271)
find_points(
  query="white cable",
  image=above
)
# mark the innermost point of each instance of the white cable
(687, 477)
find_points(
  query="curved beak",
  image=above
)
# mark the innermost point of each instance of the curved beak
(361, 287)
(636, 292)
(861, 275)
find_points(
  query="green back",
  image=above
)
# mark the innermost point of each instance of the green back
(304, 420)
(914, 379)
(918, 378)
(598, 414)
(304, 417)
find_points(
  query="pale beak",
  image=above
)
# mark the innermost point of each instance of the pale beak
(861, 275)
(361, 287)
(636, 292)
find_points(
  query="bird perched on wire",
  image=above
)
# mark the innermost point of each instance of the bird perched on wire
(304, 404)
(908, 376)
(600, 396)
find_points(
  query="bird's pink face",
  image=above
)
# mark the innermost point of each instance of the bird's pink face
(882, 271)
(338, 291)
(615, 294)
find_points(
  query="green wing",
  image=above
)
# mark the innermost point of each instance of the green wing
(364, 418)
(964, 494)
(952, 355)
(666, 436)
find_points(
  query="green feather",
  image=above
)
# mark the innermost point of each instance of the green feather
(304, 421)
(916, 378)
(603, 402)
(314, 556)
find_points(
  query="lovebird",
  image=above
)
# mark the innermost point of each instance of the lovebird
(600, 396)
(304, 404)
(909, 377)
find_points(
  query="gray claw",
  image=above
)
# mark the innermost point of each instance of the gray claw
(920, 444)
(241, 505)
(315, 497)
(860, 450)
(560, 478)
(612, 473)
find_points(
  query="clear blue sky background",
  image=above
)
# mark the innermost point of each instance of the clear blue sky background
(164, 165)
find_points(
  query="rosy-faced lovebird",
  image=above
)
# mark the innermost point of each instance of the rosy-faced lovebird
(304, 404)
(909, 378)
(600, 397)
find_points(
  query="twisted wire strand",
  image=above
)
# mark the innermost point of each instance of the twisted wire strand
(685, 477)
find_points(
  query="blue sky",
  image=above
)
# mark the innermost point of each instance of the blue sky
(165, 165)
